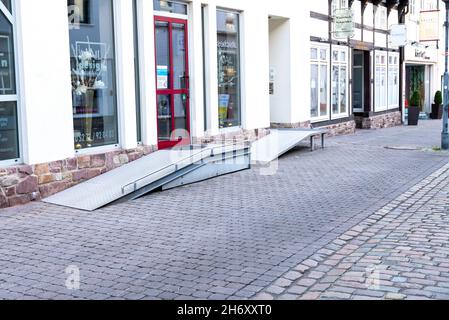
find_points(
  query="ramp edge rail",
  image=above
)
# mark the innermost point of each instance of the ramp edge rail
(177, 163)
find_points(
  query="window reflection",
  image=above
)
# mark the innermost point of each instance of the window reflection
(9, 133)
(93, 74)
(228, 46)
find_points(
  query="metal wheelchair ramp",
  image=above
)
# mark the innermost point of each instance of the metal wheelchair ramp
(280, 141)
(164, 169)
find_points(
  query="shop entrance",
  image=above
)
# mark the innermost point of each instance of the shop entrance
(416, 81)
(172, 82)
(280, 70)
(361, 83)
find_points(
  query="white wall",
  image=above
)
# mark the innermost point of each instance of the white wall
(44, 75)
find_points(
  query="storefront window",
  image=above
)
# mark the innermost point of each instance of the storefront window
(393, 80)
(93, 74)
(7, 4)
(314, 90)
(319, 83)
(9, 133)
(137, 73)
(381, 82)
(170, 6)
(339, 82)
(228, 45)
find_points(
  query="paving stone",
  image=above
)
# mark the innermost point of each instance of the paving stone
(274, 232)
(282, 282)
(264, 296)
(335, 295)
(311, 295)
(292, 275)
(275, 290)
(297, 290)
(395, 296)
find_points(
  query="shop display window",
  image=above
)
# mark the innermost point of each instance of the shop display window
(319, 82)
(9, 131)
(229, 79)
(94, 100)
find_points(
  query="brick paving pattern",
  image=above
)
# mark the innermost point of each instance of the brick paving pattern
(399, 252)
(248, 235)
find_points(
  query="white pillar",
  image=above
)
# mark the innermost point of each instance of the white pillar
(195, 51)
(300, 66)
(211, 62)
(126, 84)
(254, 69)
(45, 80)
(145, 22)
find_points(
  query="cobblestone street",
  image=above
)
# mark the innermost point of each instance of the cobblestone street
(367, 217)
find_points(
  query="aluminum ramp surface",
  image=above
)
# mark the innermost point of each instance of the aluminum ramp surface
(279, 142)
(147, 173)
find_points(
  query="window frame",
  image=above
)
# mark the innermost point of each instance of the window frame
(137, 73)
(118, 91)
(240, 71)
(321, 63)
(340, 63)
(393, 69)
(339, 4)
(10, 15)
(381, 18)
(379, 70)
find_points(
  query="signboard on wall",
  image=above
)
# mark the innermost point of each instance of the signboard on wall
(398, 35)
(421, 54)
(343, 24)
(429, 25)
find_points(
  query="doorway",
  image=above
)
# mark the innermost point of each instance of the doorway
(172, 82)
(280, 70)
(415, 76)
(361, 81)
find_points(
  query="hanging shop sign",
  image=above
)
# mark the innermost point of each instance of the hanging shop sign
(398, 35)
(343, 24)
(429, 25)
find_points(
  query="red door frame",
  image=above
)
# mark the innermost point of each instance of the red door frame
(171, 92)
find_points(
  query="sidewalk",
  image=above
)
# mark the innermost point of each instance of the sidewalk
(244, 235)
(399, 252)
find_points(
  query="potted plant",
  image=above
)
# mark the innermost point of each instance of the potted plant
(437, 106)
(414, 109)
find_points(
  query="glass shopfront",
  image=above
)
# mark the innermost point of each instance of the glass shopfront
(339, 81)
(319, 94)
(170, 6)
(228, 45)
(9, 133)
(93, 73)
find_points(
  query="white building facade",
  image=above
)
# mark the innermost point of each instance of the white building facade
(89, 85)
(365, 70)
(425, 51)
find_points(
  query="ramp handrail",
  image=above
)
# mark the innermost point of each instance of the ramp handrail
(177, 163)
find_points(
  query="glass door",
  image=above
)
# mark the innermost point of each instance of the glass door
(172, 82)
(358, 84)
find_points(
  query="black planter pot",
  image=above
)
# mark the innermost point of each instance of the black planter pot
(413, 116)
(437, 111)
